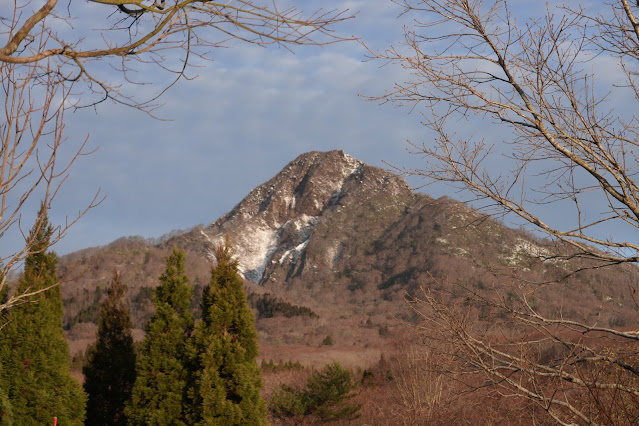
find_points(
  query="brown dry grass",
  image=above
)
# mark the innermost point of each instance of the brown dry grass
(409, 383)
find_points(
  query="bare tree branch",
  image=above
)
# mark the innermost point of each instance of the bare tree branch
(565, 148)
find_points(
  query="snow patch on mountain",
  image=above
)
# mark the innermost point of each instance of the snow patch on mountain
(211, 243)
(352, 163)
(304, 224)
(333, 254)
(334, 182)
(285, 256)
(288, 202)
(526, 248)
(256, 243)
(254, 246)
(350, 168)
(294, 253)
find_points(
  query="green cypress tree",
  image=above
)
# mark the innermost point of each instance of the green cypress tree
(110, 369)
(35, 381)
(158, 393)
(224, 388)
(4, 292)
(6, 412)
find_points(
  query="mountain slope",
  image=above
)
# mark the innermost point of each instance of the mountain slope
(349, 241)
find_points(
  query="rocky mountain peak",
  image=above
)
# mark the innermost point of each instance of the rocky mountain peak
(304, 187)
(274, 223)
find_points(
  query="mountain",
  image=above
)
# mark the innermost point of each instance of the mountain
(306, 222)
(332, 247)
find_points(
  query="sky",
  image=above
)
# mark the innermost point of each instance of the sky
(244, 116)
(248, 112)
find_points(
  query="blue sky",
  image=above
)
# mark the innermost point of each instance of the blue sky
(247, 114)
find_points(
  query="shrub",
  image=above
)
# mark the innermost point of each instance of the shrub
(328, 396)
(287, 402)
(280, 366)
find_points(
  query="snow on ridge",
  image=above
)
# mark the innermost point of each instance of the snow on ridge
(348, 168)
(352, 161)
(351, 167)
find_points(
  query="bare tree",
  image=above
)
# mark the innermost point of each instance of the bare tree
(75, 42)
(536, 81)
(561, 90)
(35, 160)
(60, 56)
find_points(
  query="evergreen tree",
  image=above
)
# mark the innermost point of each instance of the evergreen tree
(6, 412)
(35, 383)
(158, 393)
(4, 292)
(224, 388)
(110, 369)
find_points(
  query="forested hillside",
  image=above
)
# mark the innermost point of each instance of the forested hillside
(331, 246)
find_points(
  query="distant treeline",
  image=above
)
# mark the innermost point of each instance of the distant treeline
(268, 306)
(265, 306)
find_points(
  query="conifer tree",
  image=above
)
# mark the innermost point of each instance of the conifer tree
(224, 388)
(159, 390)
(35, 382)
(6, 412)
(110, 369)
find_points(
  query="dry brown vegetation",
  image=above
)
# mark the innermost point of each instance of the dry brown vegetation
(414, 383)
(444, 259)
(553, 337)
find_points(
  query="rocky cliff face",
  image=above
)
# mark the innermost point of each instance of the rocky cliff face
(273, 227)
